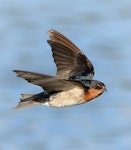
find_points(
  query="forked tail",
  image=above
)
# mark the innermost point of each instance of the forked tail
(28, 100)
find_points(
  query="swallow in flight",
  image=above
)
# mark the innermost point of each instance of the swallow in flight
(72, 85)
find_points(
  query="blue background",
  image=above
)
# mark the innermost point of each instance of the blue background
(102, 30)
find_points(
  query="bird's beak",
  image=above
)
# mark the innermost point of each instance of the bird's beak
(105, 89)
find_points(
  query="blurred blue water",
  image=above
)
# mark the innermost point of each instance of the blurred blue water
(102, 30)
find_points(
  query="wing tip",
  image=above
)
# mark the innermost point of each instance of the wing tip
(51, 31)
(15, 71)
(18, 72)
(50, 42)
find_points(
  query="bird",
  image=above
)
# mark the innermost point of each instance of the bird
(73, 83)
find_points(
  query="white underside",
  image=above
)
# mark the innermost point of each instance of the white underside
(66, 98)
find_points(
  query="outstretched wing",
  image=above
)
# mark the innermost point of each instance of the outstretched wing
(70, 61)
(49, 83)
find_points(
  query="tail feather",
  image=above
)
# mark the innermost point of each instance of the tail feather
(25, 104)
(24, 96)
(28, 100)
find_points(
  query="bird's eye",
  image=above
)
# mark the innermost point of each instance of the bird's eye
(99, 86)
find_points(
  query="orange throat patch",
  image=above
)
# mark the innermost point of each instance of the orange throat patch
(91, 94)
